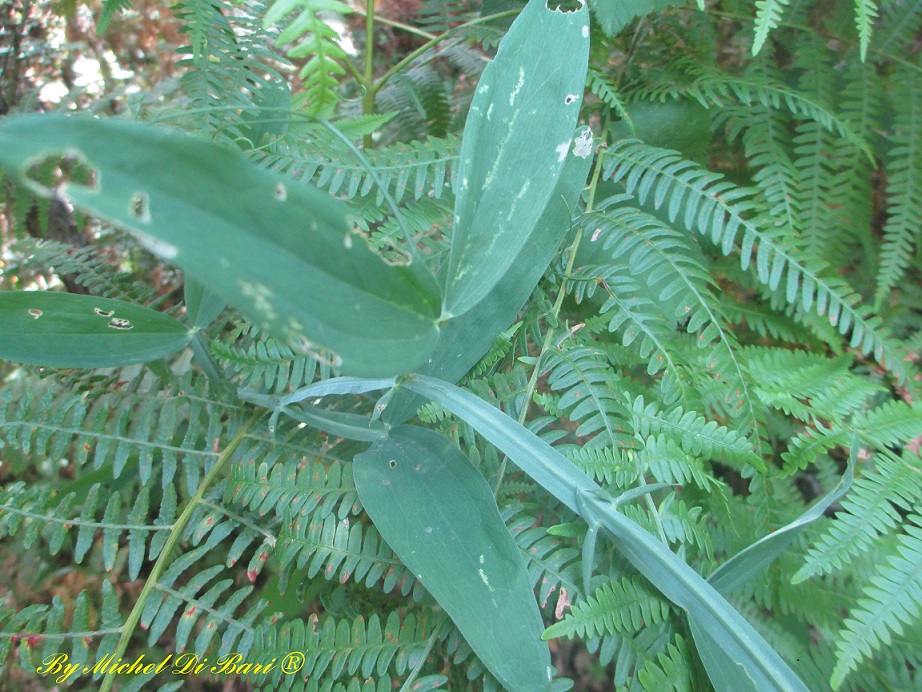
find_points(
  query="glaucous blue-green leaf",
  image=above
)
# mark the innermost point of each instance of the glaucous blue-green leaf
(437, 512)
(465, 339)
(279, 250)
(65, 330)
(516, 139)
(730, 637)
(747, 564)
(202, 306)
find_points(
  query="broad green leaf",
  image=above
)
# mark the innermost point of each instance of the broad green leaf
(278, 250)
(437, 512)
(350, 426)
(738, 643)
(515, 141)
(202, 306)
(465, 339)
(748, 563)
(65, 330)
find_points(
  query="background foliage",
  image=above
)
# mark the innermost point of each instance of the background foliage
(726, 339)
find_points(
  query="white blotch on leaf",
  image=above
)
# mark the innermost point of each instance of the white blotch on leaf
(595, 234)
(36, 313)
(103, 313)
(281, 192)
(585, 32)
(261, 297)
(347, 241)
(562, 150)
(481, 559)
(570, 99)
(518, 86)
(119, 323)
(485, 580)
(582, 147)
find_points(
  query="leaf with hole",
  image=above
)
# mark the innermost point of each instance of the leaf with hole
(517, 136)
(64, 330)
(278, 250)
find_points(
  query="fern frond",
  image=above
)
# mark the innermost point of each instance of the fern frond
(262, 361)
(420, 167)
(626, 606)
(766, 142)
(614, 466)
(608, 92)
(335, 648)
(642, 245)
(899, 26)
(109, 9)
(553, 564)
(670, 670)
(341, 549)
(591, 396)
(420, 98)
(86, 266)
(229, 65)
(850, 194)
(808, 385)
(317, 41)
(280, 483)
(871, 508)
(721, 209)
(768, 17)
(666, 462)
(29, 512)
(892, 600)
(117, 425)
(181, 586)
(904, 188)
(712, 87)
(693, 434)
(865, 15)
(40, 631)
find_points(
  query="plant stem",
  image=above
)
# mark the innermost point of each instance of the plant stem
(368, 101)
(555, 311)
(135, 615)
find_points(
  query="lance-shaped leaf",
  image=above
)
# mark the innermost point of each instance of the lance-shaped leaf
(465, 339)
(730, 640)
(437, 512)
(516, 138)
(280, 251)
(64, 330)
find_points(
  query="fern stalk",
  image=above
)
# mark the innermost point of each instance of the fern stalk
(175, 532)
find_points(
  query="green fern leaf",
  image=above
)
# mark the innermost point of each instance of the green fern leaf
(694, 434)
(360, 648)
(892, 601)
(870, 509)
(865, 14)
(591, 396)
(904, 163)
(768, 17)
(721, 209)
(626, 606)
